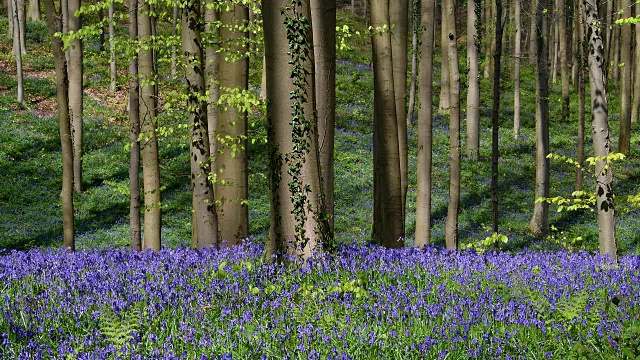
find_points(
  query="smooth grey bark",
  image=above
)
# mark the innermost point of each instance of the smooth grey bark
(495, 116)
(388, 217)
(517, 53)
(34, 10)
(149, 145)
(76, 92)
(112, 51)
(600, 132)
(473, 93)
(539, 224)
(134, 132)
(624, 140)
(489, 38)
(60, 62)
(636, 76)
(533, 36)
(445, 98)
(232, 182)
(580, 67)
(323, 13)
(204, 210)
(425, 125)
(415, 6)
(451, 226)
(564, 66)
(286, 227)
(18, 52)
(399, 18)
(22, 26)
(211, 69)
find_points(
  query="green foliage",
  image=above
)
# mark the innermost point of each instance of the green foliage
(489, 243)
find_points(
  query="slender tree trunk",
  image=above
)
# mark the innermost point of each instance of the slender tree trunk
(263, 79)
(451, 227)
(22, 26)
(211, 69)
(66, 195)
(388, 220)
(76, 92)
(297, 226)
(134, 123)
(564, 66)
(473, 94)
(636, 78)
(555, 43)
(489, 38)
(174, 32)
(580, 65)
(18, 53)
(399, 16)
(112, 50)
(539, 225)
(149, 144)
(516, 72)
(414, 60)
(495, 117)
(445, 79)
(575, 44)
(231, 186)
(533, 35)
(10, 15)
(600, 133)
(101, 38)
(323, 13)
(34, 10)
(204, 209)
(64, 9)
(425, 125)
(624, 144)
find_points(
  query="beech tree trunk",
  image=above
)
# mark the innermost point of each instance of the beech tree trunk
(451, 227)
(231, 185)
(204, 209)
(445, 79)
(388, 217)
(533, 35)
(134, 133)
(66, 195)
(600, 133)
(636, 77)
(489, 38)
(18, 52)
(580, 65)
(564, 66)
(211, 69)
(473, 94)
(76, 93)
(399, 16)
(297, 227)
(415, 13)
(624, 144)
(34, 10)
(112, 51)
(425, 125)
(495, 116)
(323, 13)
(516, 71)
(539, 224)
(149, 144)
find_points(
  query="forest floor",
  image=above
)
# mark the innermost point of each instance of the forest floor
(30, 160)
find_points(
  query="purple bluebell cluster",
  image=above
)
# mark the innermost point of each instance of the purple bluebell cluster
(358, 303)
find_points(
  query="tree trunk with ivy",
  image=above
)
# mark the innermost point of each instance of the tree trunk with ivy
(425, 125)
(415, 15)
(451, 226)
(62, 86)
(76, 94)
(231, 173)
(539, 224)
(516, 70)
(149, 138)
(600, 132)
(204, 210)
(323, 13)
(297, 220)
(495, 115)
